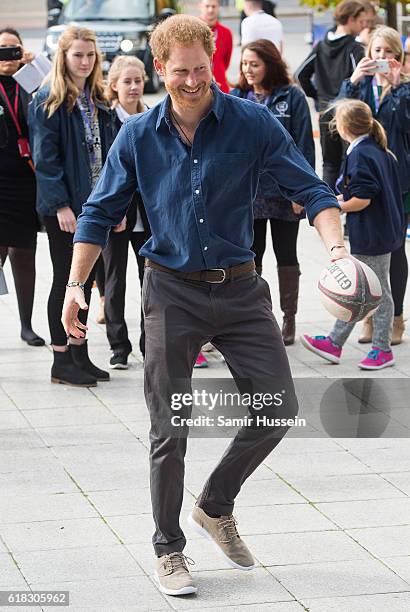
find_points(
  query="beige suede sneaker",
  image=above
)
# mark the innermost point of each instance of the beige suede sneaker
(172, 575)
(223, 534)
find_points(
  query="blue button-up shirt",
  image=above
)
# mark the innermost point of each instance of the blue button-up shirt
(199, 199)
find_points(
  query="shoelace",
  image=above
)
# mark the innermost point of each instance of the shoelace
(227, 525)
(373, 354)
(178, 559)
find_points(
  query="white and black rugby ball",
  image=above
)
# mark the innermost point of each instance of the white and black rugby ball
(349, 289)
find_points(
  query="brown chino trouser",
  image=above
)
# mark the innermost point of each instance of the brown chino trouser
(180, 316)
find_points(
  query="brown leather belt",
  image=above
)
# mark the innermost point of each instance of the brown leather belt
(215, 275)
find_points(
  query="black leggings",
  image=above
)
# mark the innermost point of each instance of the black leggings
(100, 276)
(115, 257)
(23, 265)
(61, 251)
(332, 151)
(399, 271)
(284, 238)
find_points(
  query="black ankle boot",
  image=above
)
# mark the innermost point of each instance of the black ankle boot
(288, 291)
(66, 372)
(81, 359)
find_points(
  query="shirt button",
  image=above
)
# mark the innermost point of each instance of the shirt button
(196, 191)
(195, 161)
(201, 220)
(205, 248)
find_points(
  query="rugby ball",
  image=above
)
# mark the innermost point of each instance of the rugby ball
(349, 289)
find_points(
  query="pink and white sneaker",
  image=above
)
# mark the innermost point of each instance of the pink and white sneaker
(322, 346)
(377, 359)
(201, 361)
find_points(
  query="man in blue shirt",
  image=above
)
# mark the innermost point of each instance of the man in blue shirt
(196, 159)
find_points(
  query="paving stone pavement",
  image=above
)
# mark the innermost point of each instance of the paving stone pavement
(328, 519)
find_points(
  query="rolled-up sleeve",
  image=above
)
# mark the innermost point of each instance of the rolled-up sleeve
(109, 200)
(363, 179)
(284, 165)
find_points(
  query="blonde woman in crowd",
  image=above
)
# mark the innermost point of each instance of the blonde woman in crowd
(71, 128)
(388, 95)
(125, 88)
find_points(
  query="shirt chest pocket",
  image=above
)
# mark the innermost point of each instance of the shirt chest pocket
(224, 165)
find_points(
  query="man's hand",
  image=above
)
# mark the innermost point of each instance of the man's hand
(73, 302)
(66, 219)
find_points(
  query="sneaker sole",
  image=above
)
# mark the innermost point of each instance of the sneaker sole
(203, 532)
(200, 366)
(381, 367)
(59, 381)
(312, 349)
(184, 591)
(119, 366)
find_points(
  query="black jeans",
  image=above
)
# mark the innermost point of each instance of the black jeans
(181, 316)
(61, 252)
(332, 151)
(115, 257)
(399, 271)
(284, 238)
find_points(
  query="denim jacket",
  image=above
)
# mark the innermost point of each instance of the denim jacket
(60, 154)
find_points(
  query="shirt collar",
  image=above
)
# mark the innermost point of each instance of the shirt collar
(121, 113)
(355, 142)
(217, 107)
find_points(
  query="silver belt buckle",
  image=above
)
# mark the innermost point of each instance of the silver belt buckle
(217, 282)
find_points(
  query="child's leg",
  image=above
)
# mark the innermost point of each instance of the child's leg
(340, 332)
(383, 317)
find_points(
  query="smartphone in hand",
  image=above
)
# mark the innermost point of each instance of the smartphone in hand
(10, 54)
(382, 66)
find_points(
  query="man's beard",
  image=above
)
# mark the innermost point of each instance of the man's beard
(183, 101)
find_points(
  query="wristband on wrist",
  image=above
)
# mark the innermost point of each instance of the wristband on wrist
(75, 284)
(337, 246)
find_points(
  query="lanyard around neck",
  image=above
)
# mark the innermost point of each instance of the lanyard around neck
(87, 115)
(376, 96)
(13, 112)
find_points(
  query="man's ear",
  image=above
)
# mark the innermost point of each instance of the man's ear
(159, 67)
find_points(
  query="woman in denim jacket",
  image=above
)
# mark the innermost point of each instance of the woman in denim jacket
(71, 130)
